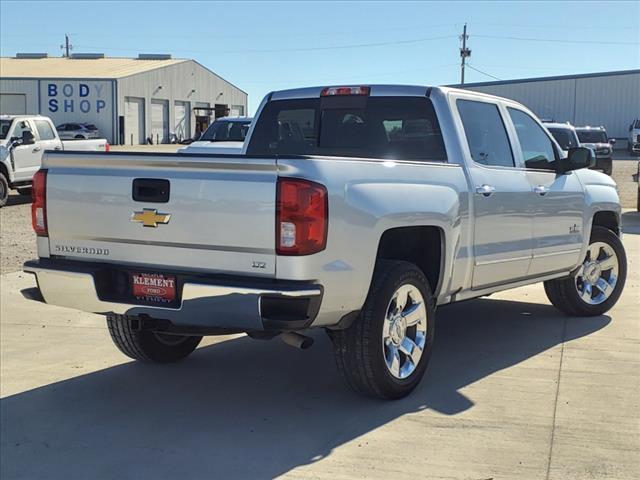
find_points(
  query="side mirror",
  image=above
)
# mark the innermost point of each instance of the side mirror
(612, 141)
(14, 142)
(577, 158)
(28, 138)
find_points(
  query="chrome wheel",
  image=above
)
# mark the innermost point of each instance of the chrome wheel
(404, 331)
(598, 275)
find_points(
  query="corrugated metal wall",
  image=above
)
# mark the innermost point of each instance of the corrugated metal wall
(184, 82)
(26, 87)
(609, 100)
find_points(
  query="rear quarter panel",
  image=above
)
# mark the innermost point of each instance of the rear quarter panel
(366, 198)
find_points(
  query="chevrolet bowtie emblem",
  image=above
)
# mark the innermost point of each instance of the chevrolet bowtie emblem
(149, 217)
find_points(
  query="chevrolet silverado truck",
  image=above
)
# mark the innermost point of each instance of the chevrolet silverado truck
(23, 141)
(358, 209)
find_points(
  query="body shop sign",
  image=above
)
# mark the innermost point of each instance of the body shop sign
(77, 97)
(88, 101)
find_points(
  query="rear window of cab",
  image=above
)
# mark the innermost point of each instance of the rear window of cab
(395, 128)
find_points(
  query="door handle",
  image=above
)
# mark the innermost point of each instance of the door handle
(541, 190)
(58, 148)
(486, 190)
(36, 149)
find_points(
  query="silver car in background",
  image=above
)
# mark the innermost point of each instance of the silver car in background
(78, 131)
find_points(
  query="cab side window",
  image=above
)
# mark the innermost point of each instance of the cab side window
(486, 134)
(44, 130)
(537, 148)
(20, 127)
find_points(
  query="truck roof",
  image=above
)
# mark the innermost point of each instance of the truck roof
(566, 126)
(13, 117)
(376, 90)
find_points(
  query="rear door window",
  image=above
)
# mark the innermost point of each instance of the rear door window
(486, 133)
(400, 128)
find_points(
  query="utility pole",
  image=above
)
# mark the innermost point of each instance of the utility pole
(464, 52)
(67, 46)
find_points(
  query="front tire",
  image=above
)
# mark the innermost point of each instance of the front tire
(4, 190)
(385, 352)
(598, 283)
(146, 345)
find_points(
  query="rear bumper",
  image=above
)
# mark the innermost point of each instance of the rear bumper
(205, 302)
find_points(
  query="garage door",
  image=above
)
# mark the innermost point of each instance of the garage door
(182, 124)
(134, 120)
(160, 121)
(13, 103)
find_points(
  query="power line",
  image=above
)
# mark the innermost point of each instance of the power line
(296, 49)
(553, 40)
(484, 73)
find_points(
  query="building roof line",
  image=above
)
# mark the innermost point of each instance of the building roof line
(547, 79)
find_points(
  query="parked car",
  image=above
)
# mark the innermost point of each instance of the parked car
(78, 131)
(224, 136)
(596, 138)
(23, 140)
(633, 141)
(564, 133)
(355, 209)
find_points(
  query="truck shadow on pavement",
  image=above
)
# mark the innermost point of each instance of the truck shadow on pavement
(249, 409)
(631, 222)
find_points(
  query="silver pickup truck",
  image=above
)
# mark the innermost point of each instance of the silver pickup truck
(359, 210)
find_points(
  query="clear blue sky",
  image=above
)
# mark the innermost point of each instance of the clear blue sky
(265, 46)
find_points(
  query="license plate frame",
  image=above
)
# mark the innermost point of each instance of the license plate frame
(154, 288)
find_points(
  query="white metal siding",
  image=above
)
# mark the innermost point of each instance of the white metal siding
(184, 82)
(609, 100)
(13, 103)
(28, 88)
(612, 101)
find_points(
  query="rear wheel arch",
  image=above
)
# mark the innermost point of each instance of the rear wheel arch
(423, 246)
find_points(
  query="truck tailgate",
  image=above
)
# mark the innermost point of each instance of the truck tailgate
(219, 215)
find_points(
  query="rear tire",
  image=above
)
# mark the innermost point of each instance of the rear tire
(577, 295)
(4, 190)
(370, 353)
(146, 345)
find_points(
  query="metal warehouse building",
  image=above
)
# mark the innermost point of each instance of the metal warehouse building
(129, 99)
(611, 99)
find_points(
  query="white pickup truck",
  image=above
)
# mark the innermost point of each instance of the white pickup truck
(356, 209)
(23, 141)
(225, 136)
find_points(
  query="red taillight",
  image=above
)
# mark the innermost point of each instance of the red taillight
(39, 205)
(335, 91)
(301, 217)
(107, 147)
